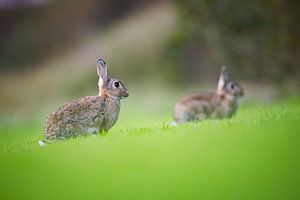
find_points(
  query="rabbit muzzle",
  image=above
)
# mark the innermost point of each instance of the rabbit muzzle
(242, 93)
(125, 94)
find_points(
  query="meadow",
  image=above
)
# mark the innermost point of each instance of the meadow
(161, 50)
(254, 155)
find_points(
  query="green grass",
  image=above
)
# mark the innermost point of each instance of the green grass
(254, 155)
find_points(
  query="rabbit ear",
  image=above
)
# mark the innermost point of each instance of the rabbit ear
(102, 69)
(222, 80)
(102, 73)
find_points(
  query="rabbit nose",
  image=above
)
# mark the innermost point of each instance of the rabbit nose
(242, 93)
(125, 93)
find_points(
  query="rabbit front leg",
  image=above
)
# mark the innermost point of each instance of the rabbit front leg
(93, 130)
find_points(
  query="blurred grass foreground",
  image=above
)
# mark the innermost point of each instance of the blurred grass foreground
(161, 50)
(251, 156)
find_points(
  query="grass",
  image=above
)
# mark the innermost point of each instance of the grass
(254, 155)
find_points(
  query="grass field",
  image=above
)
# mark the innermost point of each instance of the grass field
(254, 155)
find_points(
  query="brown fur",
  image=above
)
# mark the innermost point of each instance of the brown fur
(75, 117)
(92, 112)
(213, 105)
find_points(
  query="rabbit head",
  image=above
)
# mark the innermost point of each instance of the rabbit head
(228, 87)
(107, 86)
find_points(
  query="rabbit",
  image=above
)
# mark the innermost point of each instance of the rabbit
(214, 105)
(90, 114)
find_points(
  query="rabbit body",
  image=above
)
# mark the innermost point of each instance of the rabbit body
(88, 114)
(213, 105)
(200, 106)
(77, 117)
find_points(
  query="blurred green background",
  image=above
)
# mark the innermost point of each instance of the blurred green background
(48, 49)
(161, 50)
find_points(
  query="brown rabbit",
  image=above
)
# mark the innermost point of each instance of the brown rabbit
(89, 114)
(214, 105)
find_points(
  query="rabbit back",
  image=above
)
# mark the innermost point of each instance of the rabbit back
(76, 117)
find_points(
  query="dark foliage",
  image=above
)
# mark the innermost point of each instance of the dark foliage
(259, 39)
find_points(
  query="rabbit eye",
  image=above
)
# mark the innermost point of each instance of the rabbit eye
(232, 86)
(116, 84)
